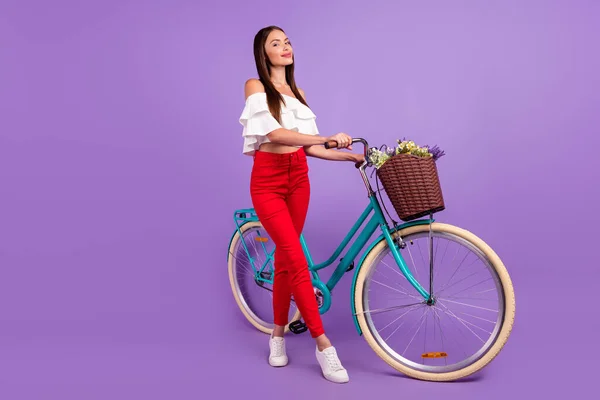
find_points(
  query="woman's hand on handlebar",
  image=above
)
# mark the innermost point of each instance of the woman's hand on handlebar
(343, 140)
(358, 158)
(332, 143)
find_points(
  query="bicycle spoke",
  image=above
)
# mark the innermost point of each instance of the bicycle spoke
(247, 273)
(477, 284)
(470, 323)
(393, 308)
(398, 289)
(435, 320)
(470, 298)
(446, 250)
(395, 330)
(443, 256)
(244, 261)
(474, 316)
(394, 289)
(411, 328)
(413, 261)
(238, 259)
(484, 291)
(446, 287)
(246, 269)
(443, 336)
(254, 245)
(423, 318)
(458, 329)
(458, 267)
(396, 270)
(450, 313)
(396, 297)
(411, 308)
(425, 337)
(468, 305)
(474, 296)
(456, 283)
(388, 278)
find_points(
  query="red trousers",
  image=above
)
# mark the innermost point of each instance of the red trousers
(280, 192)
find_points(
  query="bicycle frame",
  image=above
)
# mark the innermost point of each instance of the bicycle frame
(346, 263)
(377, 220)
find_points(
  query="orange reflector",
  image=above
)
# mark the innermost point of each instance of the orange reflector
(434, 355)
(262, 239)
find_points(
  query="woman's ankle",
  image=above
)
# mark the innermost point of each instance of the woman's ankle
(322, 342)
(278, 331)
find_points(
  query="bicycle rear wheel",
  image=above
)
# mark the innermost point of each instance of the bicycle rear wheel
(251, 276)
(466, 325)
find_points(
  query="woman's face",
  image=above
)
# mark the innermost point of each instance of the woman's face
(279, 49)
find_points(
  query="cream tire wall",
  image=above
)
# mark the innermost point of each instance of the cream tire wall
(509, 296)
(230, 267)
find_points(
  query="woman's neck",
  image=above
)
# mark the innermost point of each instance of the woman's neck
(278, 76)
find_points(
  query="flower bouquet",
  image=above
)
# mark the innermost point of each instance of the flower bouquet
(409, 176)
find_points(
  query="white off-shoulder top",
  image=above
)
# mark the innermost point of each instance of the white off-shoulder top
(258, 121)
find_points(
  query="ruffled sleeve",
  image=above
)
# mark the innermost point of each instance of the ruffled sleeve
(299, 118)
(256, 118)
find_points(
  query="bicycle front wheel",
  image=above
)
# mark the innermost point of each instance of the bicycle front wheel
(251, 276)
(462, 328)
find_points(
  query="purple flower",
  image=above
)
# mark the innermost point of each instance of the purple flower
(436, 152)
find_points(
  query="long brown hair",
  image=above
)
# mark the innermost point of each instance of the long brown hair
(263, 67)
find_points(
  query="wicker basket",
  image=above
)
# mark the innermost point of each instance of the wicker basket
(412, 185)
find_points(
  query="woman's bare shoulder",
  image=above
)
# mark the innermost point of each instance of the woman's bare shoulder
(253, 86)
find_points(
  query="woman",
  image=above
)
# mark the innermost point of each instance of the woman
(279, 131)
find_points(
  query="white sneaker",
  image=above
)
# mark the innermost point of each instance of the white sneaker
(277, 357)
(331, 365)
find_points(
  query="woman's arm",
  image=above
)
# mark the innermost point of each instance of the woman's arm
(332, 155)
(291, 138)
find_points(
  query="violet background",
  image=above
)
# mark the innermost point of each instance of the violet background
(121, 165)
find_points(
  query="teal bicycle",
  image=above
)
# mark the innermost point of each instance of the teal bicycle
(432, 300)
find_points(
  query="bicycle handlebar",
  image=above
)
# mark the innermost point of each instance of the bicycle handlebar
(333, 144)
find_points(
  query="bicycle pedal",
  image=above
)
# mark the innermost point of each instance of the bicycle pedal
(265, 275)
(298, 327)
